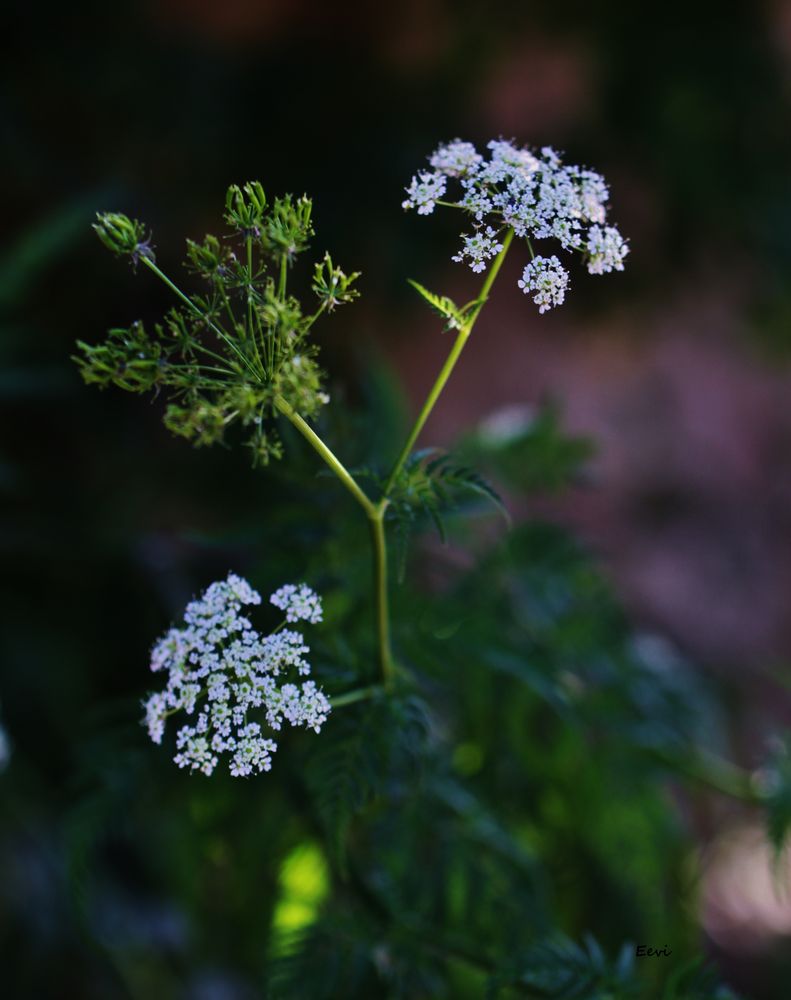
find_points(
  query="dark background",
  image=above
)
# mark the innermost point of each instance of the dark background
(678, 369)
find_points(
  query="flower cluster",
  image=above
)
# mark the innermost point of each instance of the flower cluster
(547, 279)
(299, 602)
(220, 669)
(480, 246)
(238, 351)
(535, 195)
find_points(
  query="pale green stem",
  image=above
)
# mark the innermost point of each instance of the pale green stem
(450, 363)
(251, 332)
(316, 315)
(281, 287)
(375, 515)
(359, 694)
(332, 461)
(227, 304)
(386, 666)
(198, 312)
(249, 244)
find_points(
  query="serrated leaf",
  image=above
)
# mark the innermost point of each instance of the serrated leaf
(442, 304)
(429, 484)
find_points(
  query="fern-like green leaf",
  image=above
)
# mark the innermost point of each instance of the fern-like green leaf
(357, 759)
(431, 484)
(447, 308)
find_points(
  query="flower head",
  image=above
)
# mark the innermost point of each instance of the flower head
(606, 250)
(479, 247)
(299, 602)
(532, 193)
(221, 671)
(547, 279)
(426, 188)
(456, 158)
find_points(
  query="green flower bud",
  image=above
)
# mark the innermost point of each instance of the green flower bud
(123, 235)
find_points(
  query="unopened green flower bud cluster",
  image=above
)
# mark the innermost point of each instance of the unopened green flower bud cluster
(225, 354)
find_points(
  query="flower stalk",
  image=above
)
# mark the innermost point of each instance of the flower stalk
(450, 363)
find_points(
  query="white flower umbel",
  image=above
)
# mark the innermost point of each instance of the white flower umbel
(300, 603)
(426, 188)
(547, 279)
(534, 194)
(456, 158)
(480, 247)
(606, 250)
(222, 671)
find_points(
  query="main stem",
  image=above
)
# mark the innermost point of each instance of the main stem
(379, 540)
(375, 514)
(450, 364)
(329, 457)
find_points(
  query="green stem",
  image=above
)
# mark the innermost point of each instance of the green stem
(386, 666)
(450, 363)
(316, 315)
(251, 332)
(249, 244)
(332, 461)
(227, 304)
(375, 514)
(281, 287)
(202, 368)
(198, 312)
(352, 697)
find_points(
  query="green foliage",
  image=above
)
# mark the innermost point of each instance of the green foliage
(368, 748)
(529, 451)
(454, 316)
(429, 485)
(561, 969)
(235, 353)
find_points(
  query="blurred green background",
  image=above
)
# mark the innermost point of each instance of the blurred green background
(670, 544)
